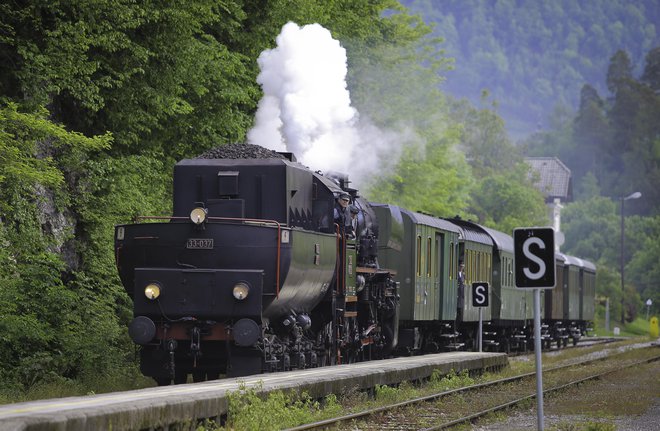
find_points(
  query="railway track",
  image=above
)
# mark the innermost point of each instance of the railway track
(154, 406)
(446, 409)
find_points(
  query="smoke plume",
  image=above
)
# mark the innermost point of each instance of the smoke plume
(306, 108)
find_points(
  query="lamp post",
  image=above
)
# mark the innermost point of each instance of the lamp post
(635, 195)
(648, 307)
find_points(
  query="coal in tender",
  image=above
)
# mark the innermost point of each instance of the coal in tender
(240, 151)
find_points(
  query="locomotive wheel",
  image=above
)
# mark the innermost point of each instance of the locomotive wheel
(198, 376)
(180, 378)
(548, 344)
(506, 345)
(163, 381)
(565, 342)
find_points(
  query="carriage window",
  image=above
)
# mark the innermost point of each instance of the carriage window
(479, 269)
(437, 257)
(466, 262)
(470, 265)
(428, 257)
(451, 261)
(419, 255)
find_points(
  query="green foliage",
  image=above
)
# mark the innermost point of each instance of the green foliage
(643, 271)
(506, 200)
(639, 326)
(453, 380)
(28, 144)
(502, 195)
(249, 409)
(608, 285)
(484, 140)
(386, 394)
(149, 73)
(52, 331)
(115, 191)
(590, 228)
(429, 182)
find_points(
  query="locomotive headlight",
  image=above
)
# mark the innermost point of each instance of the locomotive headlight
(198, 215)
(152, 291)
(241, 290)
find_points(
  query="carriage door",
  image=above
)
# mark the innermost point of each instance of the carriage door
(426, 296)
(439, 275)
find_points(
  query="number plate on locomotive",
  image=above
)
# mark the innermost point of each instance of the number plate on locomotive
(200, 243)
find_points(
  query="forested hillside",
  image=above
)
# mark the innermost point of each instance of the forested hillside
(534, 55)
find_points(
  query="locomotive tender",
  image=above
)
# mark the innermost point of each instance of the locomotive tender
(252, 273)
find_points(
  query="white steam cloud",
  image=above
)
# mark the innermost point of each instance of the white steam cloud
(306, 108)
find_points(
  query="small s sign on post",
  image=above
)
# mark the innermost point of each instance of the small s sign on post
(480, 294)
(534, 257)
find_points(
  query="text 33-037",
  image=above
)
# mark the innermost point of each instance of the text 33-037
(200, 243)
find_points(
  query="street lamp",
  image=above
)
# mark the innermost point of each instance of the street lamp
(635, 195)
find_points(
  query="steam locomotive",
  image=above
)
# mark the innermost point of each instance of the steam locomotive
(254, 273)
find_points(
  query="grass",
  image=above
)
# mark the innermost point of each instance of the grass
(250, 409)
(638, 327)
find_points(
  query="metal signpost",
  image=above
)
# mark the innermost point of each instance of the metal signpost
(534, 268)
(480, 300)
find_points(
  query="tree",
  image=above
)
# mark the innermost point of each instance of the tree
(590, 228)
(590, 132)
(505, 200)
(619, 73)
(643, 268)
(430, 179)
(485, 142)
(150, 74)
(651, 75)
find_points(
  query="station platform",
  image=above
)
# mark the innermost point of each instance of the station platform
(160, 407)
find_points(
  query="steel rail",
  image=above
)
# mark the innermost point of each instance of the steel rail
(529, 397)
(370, 412)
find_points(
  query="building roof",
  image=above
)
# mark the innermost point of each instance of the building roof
(555, 178)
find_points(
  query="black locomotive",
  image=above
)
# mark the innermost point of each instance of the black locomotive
(252, 274)
(255, 273)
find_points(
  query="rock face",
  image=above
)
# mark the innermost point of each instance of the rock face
(59, 225)
(240, 151)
